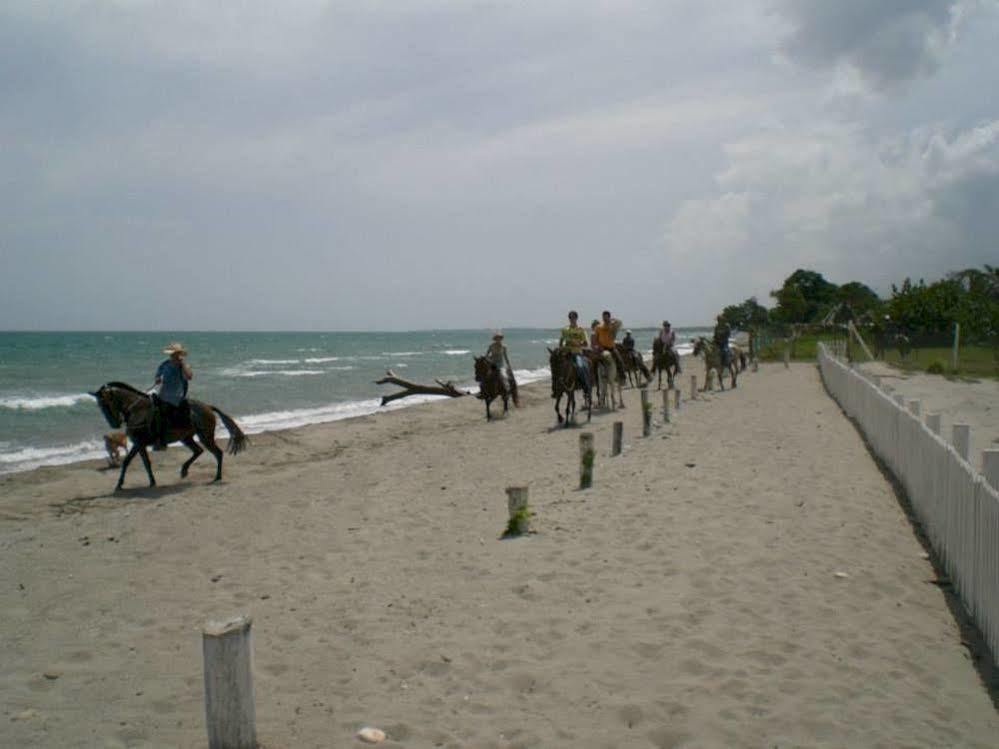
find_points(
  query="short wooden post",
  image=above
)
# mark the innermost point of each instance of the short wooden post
(666, 407)
(586, 458)
(990, 467)
(520, 515)
(915, 408)
(229, 706)
(617, 438)
(933, 422)
(646, 413)
(787, 354)
(954, 359)
(756, 365)
(693, 387)
(961, 439)
(676, 400)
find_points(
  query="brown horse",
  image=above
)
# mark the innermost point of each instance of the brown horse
(492, 385)
(713, 360)
(664, 360)
(632, 363)
(122, 403)
(565, 381)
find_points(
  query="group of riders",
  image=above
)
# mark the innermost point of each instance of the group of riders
(602, 341)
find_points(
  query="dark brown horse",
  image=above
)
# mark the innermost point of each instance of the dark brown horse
(121, 403)
(633, 364)
(664, 360)
(492, 385)
(565, 381)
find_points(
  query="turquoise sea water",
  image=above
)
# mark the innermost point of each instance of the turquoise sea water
(265, 380)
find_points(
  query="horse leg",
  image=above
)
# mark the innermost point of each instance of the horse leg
(558, 399)
(195, 448)
(124, 465)
(506, 404)
(489, 416)
(208, 440)
(145, 461)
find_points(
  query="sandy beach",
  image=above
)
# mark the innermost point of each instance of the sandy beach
(745, 577)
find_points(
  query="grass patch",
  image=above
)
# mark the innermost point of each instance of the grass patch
(973, 361)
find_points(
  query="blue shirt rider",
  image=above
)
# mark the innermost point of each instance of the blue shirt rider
(170, 391)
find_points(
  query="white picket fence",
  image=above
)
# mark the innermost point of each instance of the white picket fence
(957, 508)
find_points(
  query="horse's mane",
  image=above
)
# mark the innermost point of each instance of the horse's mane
(126, 386)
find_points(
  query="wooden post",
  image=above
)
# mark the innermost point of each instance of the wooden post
(676, 400)
(990, 467)
(954, 358)
(915, 408)
(933, 422)
(787, 354)
(229, 708)
(586, 458)
(693, 387)
(666, 407)
(646, 413)
(520, 515)
(616, 439)
(961, 439)
(756, 365)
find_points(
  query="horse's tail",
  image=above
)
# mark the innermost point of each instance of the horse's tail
(237, 440)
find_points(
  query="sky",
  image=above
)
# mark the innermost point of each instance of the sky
(308, 165)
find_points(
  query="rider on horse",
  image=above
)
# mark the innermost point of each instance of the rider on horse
(573, 338)
(721, 336)
(498, 357)
(606, 332)
(667, 339)
(170, 393)
(628, 344)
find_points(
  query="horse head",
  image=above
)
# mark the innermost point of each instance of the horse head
(482, 368)
(108, 405)
(699, 345)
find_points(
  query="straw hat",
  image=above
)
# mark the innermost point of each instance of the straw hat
(497, 334)
(174, 348)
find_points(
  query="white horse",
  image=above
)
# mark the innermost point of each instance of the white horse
(607, 380)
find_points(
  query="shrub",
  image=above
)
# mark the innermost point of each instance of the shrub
(936, 367)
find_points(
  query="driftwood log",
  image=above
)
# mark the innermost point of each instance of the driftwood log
(415, 388)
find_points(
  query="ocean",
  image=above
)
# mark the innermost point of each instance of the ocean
(266, 381)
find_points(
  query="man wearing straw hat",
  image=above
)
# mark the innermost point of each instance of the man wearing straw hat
(170, 391)
(497, 355)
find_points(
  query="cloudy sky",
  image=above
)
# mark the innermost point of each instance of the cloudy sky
(451, 163)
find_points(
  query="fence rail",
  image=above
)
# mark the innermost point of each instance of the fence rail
(956, 506)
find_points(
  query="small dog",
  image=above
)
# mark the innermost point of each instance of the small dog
(113, 442)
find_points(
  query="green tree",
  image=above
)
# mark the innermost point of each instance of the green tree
(749, 315)
(860, 297)
(804, 297)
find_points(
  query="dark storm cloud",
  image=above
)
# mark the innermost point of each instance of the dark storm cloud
(888, 41)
